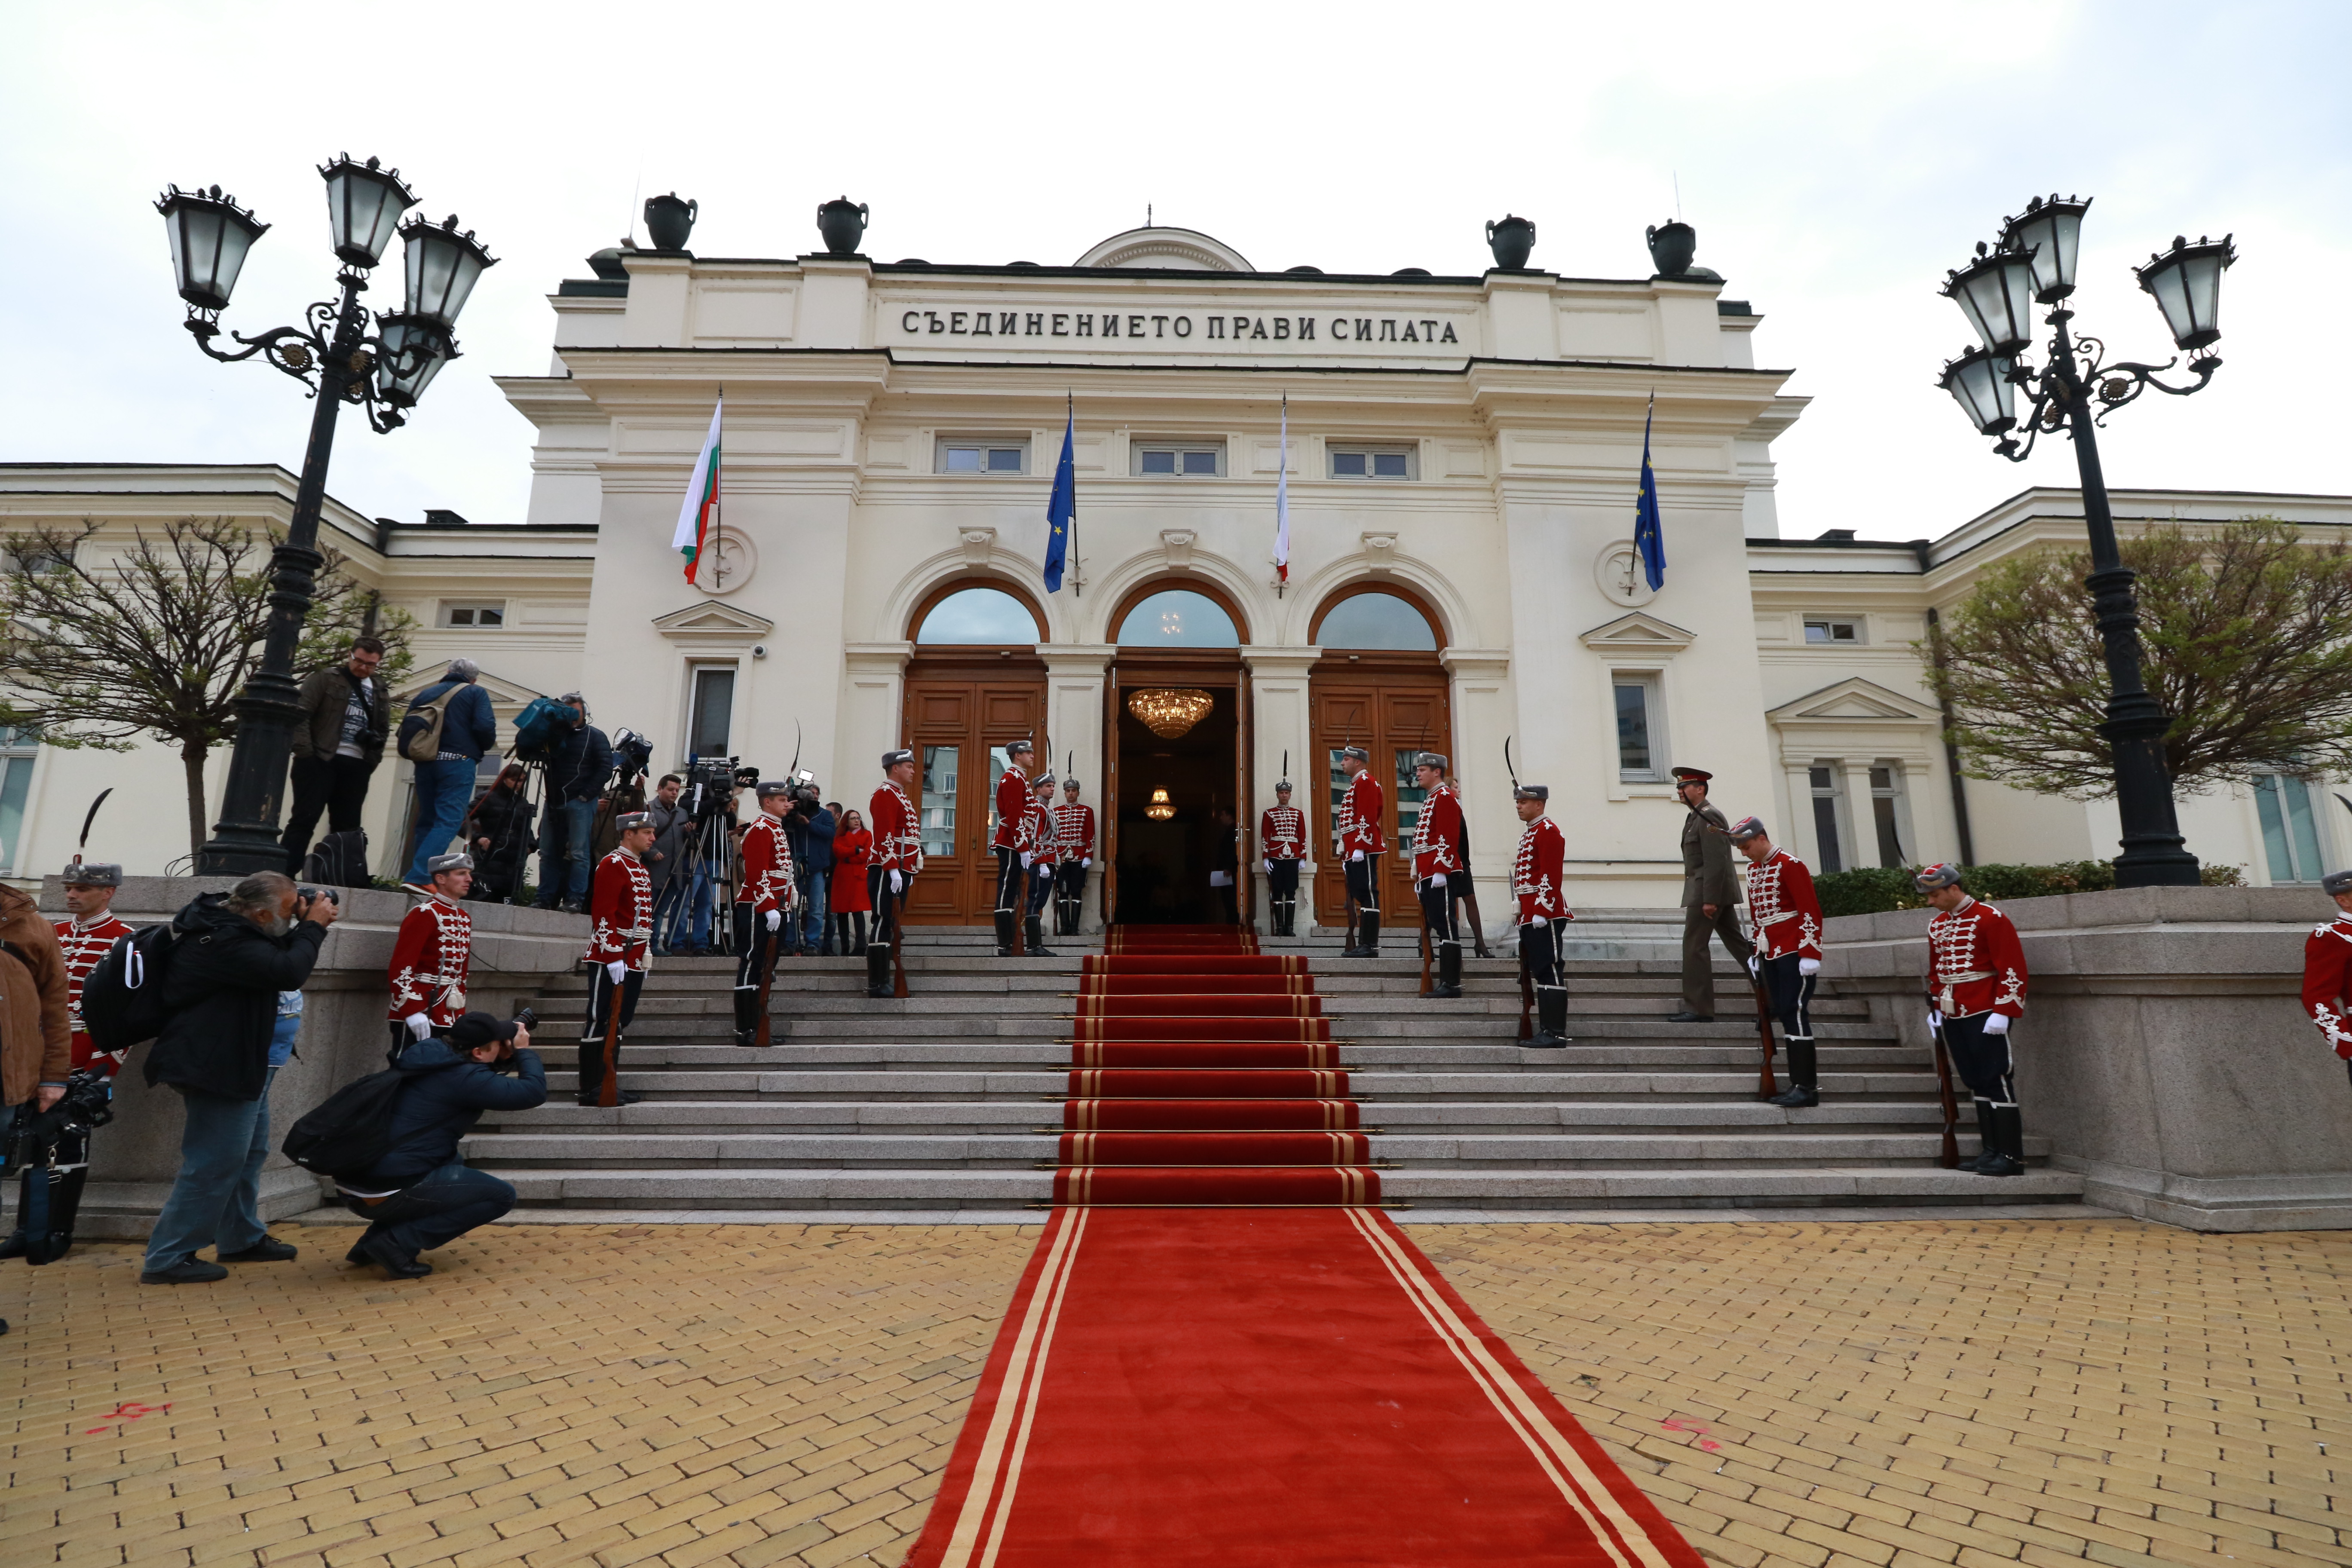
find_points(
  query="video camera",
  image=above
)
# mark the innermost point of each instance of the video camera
(633, 755)
(710, 781)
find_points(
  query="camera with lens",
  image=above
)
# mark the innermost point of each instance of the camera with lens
(710, 782)
(633, 755)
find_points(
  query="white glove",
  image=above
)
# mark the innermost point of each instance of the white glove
(1269, 866)
(1026, 859)
(1540, 920)
(897, 883)
(1809, 966)
(1934, 1019)
(1996, 1024)
(419, 1026)
(1355, 855)
(615, 970)
(1087, 864)
(1438, 879)
(775, 920)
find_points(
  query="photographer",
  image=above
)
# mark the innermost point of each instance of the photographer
(336, 746)
(422, 1194)
(575, 778)
(810, 828)
(499, 828)
(706, 807)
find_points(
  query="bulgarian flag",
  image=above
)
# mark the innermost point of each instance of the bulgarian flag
(699, 518)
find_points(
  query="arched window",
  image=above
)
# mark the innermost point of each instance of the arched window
(990, 616)
(1376, 620)
(1177, 617)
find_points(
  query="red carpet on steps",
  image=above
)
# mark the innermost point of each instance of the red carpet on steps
(1268, 1388)
(1204, 1072)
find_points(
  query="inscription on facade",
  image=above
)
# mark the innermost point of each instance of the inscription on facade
(1161, 327)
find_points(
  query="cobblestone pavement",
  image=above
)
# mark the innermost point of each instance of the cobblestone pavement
(1904, 1393)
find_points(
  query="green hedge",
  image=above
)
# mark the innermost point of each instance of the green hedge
(1871, 889)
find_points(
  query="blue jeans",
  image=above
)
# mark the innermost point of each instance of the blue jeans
(563, 865)
(444, 791)
(217, 1197)
(694, 893)
(815, 892)
(436, 1208)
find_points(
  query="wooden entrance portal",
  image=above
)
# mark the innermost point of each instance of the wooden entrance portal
(1392, 705)
(959, 714)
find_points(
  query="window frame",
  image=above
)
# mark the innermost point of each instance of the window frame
(446, 617)
(20, 753)
(984, 445)
(1652, 685)
(694, 671)
(1214, 446)
(1840, 824)
(1410, 450)
(2273, 782)
(1858, 624)
(1896, 792)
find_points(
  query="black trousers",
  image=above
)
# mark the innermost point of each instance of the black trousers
(886, 905)
(1070, 883)
(603, 994)
(1009, 882)
(1982, 1061)
(844, 926)
(335, 786)
(1041, 888)
(755, 946)
(1364, 883)
(1789, 995)
(1438, 914)
(1282, 878)
(1539, 949)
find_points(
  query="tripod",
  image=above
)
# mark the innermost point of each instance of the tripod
(707, 860)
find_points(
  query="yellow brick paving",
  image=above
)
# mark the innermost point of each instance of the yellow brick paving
(1907, 1393)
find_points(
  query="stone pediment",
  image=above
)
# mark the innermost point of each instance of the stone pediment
(503, 693)
(713, 624)
(1854, 700)
(1184, 249)
(1638, 633)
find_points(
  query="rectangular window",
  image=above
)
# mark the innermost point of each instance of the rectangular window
(938, 805)
(1180, 459)
(1409, 796)
(2290, 831)
(1355, 460)
(480, 612)
(18, 748)
(1885, 812)
(1824, 777)
(1637, 728)
(1009, 457)
(712, 718)
(1833, 634)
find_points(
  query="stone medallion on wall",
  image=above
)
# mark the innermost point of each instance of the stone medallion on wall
(1618, 571)
(733, 559)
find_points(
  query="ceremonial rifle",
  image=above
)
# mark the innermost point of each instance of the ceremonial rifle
(1424, 953)
(1526, 981)
(1766, 1085)
(610, 1094)
(1952, 1153)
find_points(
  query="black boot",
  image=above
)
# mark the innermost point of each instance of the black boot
(1368, 936)
(1804, 1077)
(1004, 935)
(1984, 1137)
(747, 1017)
(1449, 970)
(1551, 1017)
(2008, 1155)
(877, 970)
(1036, 933)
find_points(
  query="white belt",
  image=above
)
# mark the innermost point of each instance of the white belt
(1776, 919)
(1956, 979)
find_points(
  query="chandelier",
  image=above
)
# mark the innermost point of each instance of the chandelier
(1168, 714)
(1162, 808)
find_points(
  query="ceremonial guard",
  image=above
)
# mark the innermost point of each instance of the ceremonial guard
(433, 956)
(1013, 830)
(1786, 914)
(1437, 855)
(85, 938)
(1282, 839)
(1539, 877)
(621, 925)
(1043, 843)
(1976, 989)
(2327, 970)
(897, 856)
(1361, 842)
(763, 906)
(1074, 851)
(1710, 898)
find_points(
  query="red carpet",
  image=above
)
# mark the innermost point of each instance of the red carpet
(1267, 1388)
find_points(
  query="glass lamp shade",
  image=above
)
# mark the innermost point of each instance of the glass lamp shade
(1995, 292)
(210, 235)
(2052, 231)
(1978, 381)
(2187, 283)
(443, 267)
(364, 204)
(414, 349)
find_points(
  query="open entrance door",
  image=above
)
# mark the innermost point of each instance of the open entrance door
(1176, 798)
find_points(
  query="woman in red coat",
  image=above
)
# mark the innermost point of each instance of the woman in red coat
(852, 852)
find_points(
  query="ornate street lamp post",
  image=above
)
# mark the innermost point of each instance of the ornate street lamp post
(2034, 263)
(335, 356)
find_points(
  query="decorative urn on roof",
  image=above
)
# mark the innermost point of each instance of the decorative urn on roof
(841, 223)
(1513, 240)
(1672, 246)
(669, 221)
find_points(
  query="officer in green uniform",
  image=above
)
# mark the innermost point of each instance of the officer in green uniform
(1710, 898)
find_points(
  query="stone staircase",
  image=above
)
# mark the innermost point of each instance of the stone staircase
(947, 1103)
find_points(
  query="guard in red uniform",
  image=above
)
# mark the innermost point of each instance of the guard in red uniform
(621, 924)
(763, 906)
(897, 856)
(1041, 842)
(85, 938)
(2327, 970)
(433, 956)
(1012, 829)
(1437, 855)
(1976, 979)
(1362, 840)
(1788, 961)
(1074, 856)
(1282, 840)
(1539, 876)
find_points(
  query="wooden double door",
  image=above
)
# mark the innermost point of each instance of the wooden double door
(1391, 709)
(957, 717)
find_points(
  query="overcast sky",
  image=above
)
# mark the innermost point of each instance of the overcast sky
(1834, 160)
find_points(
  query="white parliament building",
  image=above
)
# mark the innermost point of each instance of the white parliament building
(1461, 469)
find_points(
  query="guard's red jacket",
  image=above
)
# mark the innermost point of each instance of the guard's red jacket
(1786, 909)
(1037, 834)
(898, 832)
(767, 866)
(2326, 982)
(1282, 833)
(1013, 800)
(83, 946)
(1437, 833)
(1073, 830)
(1975, 963)
(1538, 872)
(620, 910)
(1360, 817)
(431, 961)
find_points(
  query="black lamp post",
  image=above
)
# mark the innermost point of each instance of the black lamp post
(334, 356)
(2034, 262)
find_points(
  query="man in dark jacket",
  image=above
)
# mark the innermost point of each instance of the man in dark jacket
(581, 768)
(445, 786)
(232, 953)
(809, 829)
(421, 1196)
(336, 747)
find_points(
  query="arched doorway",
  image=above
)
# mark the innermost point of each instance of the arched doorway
(1177, 782)
(1378, 685)
(975, 682)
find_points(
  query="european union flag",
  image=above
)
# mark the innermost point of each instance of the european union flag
(1649, 534)
(1062, 511)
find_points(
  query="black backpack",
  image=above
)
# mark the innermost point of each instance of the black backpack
(350, 1132)
(123, 999)
(340, 860)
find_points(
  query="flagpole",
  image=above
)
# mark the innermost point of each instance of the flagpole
(718, 507)
(1069, 422)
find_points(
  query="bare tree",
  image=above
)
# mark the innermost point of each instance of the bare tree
(2248, 632)
(159, 639)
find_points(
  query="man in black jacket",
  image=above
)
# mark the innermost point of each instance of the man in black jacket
(336, 747)
(420, 1194)
(232, 953)
(581, 768)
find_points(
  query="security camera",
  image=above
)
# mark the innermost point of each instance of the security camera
(759, 650)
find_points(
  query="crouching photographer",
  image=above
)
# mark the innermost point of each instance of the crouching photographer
(420, 1194)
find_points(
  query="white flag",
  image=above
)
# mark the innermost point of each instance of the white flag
(1282, 500)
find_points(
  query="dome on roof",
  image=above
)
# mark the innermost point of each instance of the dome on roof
(1183, 250)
